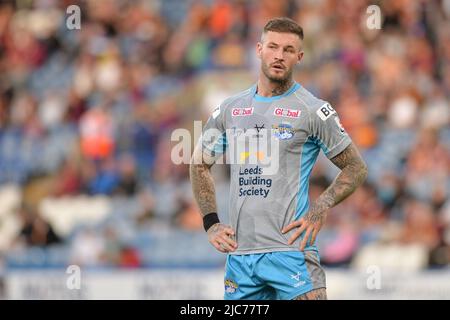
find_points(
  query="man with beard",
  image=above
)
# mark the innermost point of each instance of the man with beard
(270, 242)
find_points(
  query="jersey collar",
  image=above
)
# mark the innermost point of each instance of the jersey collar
(257, 97)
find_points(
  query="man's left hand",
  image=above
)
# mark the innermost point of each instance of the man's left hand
(311, 224)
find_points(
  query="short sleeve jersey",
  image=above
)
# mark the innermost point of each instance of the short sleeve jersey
(271, 144)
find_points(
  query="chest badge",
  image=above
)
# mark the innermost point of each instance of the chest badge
(283, 131)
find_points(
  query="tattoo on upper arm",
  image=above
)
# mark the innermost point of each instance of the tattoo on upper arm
(349, 157)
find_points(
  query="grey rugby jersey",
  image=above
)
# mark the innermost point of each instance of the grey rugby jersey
(271, 144)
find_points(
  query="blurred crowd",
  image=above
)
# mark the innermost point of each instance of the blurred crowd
(91, 111)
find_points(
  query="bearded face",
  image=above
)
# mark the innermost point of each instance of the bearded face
(279, 53)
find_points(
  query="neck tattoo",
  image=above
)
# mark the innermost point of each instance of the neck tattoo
(281, 88)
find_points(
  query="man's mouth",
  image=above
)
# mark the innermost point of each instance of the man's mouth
(278, 67)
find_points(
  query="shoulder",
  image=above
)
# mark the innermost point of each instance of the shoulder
(220, 110)
(308, 100)
(243, 95)
(315, 106)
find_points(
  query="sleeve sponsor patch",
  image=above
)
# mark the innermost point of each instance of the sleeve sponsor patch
(325, 111)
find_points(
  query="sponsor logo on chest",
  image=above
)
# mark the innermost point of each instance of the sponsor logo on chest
(285, 112)
(241, 112)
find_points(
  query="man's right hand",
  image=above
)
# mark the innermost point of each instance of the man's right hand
(220, 236)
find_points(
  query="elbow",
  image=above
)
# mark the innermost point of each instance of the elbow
(364, 172)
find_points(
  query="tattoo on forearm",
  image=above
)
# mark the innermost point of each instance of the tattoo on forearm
(353, 174)
(203, 188)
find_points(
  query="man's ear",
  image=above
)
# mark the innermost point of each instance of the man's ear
(259, 47)
(300, 56)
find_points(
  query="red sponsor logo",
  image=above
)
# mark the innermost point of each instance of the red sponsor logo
(290, 113)
(236, 112)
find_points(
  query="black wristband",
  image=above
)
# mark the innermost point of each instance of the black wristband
(209, 220)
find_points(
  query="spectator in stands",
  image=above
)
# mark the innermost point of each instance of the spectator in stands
(35, 231)
(91, 111)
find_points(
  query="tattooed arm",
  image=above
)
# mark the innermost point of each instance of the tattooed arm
(352, 175)
(202, 181)
(219, 235)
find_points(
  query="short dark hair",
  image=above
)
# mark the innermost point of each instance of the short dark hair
(285, 25)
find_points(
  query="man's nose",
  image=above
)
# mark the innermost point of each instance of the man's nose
(279, 55)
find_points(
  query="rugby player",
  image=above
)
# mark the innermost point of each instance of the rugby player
(270, 242)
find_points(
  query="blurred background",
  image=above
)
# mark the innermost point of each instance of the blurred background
(86, 118)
